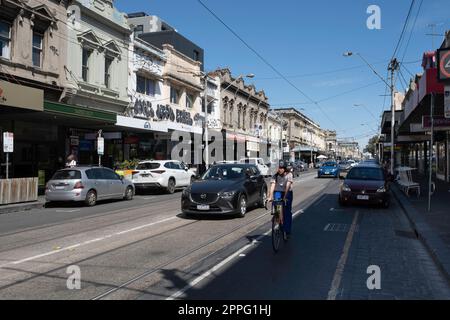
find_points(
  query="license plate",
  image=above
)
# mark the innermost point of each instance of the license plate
(361, 197)
(327, 173)
(145, 175)
(203, 207)
(59, 188)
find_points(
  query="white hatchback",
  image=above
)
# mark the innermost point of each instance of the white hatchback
(168, 175)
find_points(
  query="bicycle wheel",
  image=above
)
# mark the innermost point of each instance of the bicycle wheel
(276, 234)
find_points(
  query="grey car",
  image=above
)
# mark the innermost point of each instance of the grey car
(88, 184)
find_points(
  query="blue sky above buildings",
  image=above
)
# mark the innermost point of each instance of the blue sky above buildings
(305, 40)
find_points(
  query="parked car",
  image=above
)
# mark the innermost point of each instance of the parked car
(328, 169)
(259, 163)
(225, 189)
(303, 166)
(88, 184)
(169, 175)
(344, 168)
(365, 183)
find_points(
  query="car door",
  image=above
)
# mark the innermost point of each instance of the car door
(181, 175)
(171, 172)
(100, 183)
(250, 185)
(115, 185)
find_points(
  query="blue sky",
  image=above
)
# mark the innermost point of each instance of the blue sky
(305, 40)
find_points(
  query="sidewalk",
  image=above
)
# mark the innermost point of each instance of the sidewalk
(17, 207)
(433, 228)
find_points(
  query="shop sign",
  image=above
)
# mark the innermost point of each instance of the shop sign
(85, 145)
(15, 95)
(131, 140)
(100, 146)
(8, 142)
(141, 124)
(447, 102)
(74, 141)
(439, 122)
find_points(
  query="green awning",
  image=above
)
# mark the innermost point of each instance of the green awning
(80, 112)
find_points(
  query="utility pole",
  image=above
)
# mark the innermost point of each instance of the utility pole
(393, 66)
(205, 123)
(431, 151)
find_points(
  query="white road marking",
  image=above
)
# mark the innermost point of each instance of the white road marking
(332, 294)
(218, 266)
(84, 243)
(69, 211)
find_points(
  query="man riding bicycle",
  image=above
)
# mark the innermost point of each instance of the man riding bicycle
(281, 189)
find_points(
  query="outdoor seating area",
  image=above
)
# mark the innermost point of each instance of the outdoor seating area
(405, 181)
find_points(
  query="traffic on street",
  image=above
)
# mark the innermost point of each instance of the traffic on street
(210, 151)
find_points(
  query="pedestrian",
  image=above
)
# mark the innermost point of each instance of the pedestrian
(71, 162)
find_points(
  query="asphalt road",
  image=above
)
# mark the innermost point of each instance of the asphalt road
(146, 249)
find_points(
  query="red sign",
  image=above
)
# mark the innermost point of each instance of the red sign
(131, 140)
(444, 64)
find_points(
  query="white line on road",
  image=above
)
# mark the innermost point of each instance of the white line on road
(84, 243)
(207, 273)
(69, 211)
(332, 294)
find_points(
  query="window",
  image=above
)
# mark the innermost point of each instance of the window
(108, 63)
(37, 49)
(196, 55)
(189, 101)
(85, 64)
(139, 29)
(174, 95)
(145, 86)
(67, 175)
(5, 39)
(110, 175)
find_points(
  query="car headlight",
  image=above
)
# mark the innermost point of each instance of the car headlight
(227, 194)
(381, 189)
(346, 188)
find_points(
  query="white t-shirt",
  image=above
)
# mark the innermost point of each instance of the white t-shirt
(71, 164)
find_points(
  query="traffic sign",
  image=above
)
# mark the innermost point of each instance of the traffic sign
(444, 65)
(8, 142)
(100, 145)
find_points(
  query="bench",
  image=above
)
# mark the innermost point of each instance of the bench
(405, 181)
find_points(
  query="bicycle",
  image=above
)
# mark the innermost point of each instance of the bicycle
(277, 221)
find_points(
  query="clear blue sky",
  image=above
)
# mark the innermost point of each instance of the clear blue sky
(306, 38)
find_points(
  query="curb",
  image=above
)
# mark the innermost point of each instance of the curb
(433, 243)
(21, 207)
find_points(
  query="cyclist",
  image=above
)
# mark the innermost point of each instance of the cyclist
(281, 183)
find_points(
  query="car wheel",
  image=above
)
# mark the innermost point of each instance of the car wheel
(171, 186)
(242, 206)
(263, 198)
(91, 198)
(129, 193)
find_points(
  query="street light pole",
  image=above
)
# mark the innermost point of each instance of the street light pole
(393, 67)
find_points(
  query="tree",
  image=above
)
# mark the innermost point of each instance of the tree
(372, 145)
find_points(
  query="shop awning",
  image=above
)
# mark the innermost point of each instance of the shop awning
(304, 149)
(80, 112)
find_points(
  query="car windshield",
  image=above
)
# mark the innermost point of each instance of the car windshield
(224, 173)
(66, 175)
(148, 166)
(329, 164)
(365, 174)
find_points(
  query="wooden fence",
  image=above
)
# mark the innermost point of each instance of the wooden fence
(18, 190)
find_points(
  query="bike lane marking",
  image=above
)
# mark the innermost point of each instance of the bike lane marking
(332, 294)
(238, 253)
